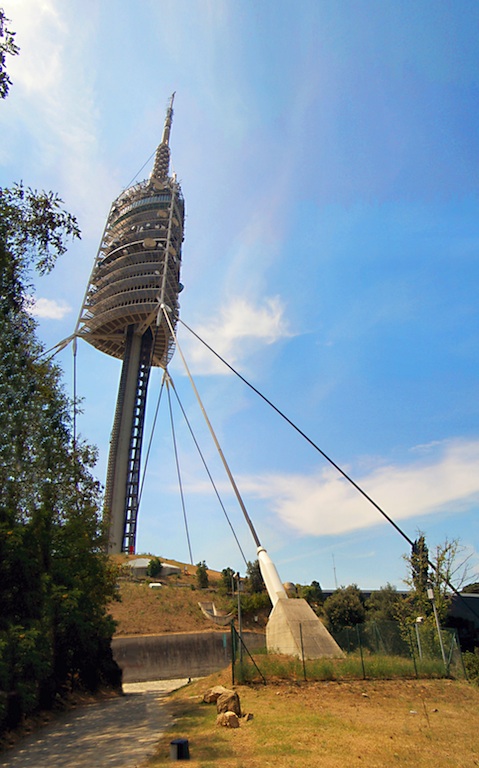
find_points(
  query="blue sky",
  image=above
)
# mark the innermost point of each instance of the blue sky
(328, 153)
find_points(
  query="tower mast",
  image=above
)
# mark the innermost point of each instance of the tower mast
(137, 271)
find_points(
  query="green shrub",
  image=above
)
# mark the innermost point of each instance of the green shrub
(202, 579)
(155, 567)
(471, 662)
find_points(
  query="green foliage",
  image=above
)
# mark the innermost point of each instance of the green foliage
(437, 571)
(420, 565)
(7, 46)
(471, 662)
(29, 662)
(345, 607)
(313, 594)
(226, 586)
(55, 580)
(352, 667)
(33, 229)
(254, 579)
(155, 567)
(257, 601)
(384, 605)
(418, 603)
(202, 580)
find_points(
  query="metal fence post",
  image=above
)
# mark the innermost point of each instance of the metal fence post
(411, 648)
(302, 650)
(233, 653)
(361, 650)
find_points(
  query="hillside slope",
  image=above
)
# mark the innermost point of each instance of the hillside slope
(173, 607)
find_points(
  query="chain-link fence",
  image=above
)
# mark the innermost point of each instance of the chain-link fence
(420, 646)
(384, 650)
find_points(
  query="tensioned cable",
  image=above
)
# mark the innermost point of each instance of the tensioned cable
(76, 471)
(180, 484)
(152, 351)
(153, 426)
(212, 432)
(303, 434)
(207, 469)
(58, 348)
(74, 350)
(138, 172)
(328, 458)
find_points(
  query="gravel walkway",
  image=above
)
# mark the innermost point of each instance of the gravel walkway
(116, 733)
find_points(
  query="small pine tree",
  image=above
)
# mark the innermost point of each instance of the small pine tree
(227, 585)
(255, 583)
(202, 575)
(155, 567)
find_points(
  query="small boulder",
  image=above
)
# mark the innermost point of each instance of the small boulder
(229, 702)
(212, 695)
(228, 720)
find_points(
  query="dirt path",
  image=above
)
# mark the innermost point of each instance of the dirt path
(116, 733)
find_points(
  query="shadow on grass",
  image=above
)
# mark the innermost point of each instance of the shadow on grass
(198, 723)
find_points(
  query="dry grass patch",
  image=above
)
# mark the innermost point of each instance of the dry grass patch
(144, 611)
(425, 724)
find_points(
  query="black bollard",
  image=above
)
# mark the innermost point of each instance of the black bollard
(179, 749)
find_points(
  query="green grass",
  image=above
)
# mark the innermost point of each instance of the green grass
(377, 666)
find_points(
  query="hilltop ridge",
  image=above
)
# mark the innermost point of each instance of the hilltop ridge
(173, 607)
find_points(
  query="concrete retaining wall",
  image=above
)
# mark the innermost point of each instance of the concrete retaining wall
(166, 657)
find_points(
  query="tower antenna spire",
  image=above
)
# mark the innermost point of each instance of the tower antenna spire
(161, 167)
(168, 120)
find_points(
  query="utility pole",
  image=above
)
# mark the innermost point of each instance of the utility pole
(430, 594)
(240, 624)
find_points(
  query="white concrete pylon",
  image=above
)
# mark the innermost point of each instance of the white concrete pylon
(270, 575)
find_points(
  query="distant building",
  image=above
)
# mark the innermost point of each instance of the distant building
(464, 616)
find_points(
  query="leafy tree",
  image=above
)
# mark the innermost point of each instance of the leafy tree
(471, 662)
(419, 564)
(155, 567)
(438, 570)
(227, 583)
(55, 580)
(450, 567)
(384, 604)
(254, 578)
(7, 46)
(313, 594)
(253, 603)
(345, 607)
(202, 575)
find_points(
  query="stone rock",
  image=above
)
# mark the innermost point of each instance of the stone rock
(228, 720)
(229, 702)
(247, 717)
(212, 695)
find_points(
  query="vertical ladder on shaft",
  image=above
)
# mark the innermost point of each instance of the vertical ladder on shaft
(136, 439)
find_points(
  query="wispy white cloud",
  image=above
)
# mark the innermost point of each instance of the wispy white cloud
(239, 329)
(444, 479)
(49, 309)
(55, 99)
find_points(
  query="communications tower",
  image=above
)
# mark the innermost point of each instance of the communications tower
(135, 279)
